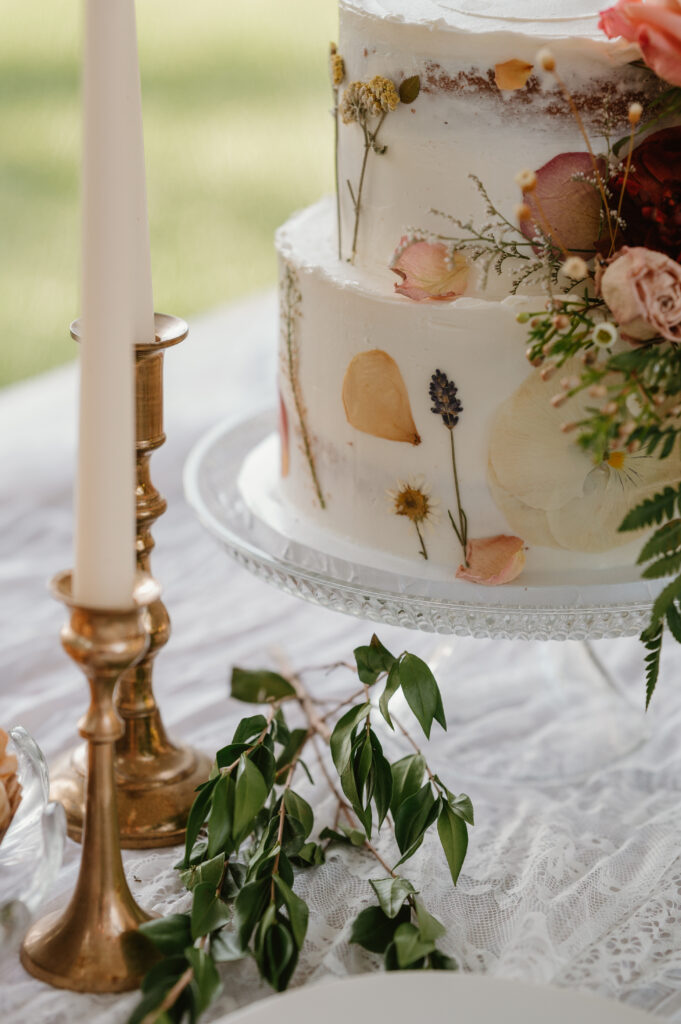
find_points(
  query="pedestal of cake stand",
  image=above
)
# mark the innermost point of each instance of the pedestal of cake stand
(502, 672)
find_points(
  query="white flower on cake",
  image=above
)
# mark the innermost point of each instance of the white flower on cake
(549, 488)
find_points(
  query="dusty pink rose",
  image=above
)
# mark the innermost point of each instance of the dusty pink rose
(493, 560)
(642, 289)
(565, 209)
(655, 25)
(428, 271)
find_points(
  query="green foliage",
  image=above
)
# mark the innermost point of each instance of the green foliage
(249, 829)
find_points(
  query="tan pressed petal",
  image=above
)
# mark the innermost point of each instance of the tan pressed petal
(493, 561)
(5, 810)
(531, 522)
(375, 398)
(512, 74)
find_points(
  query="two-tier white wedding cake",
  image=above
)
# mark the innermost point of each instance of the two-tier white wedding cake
(411, 420)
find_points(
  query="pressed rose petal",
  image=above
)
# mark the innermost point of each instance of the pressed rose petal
(570, 210)
(284, 437)
(512, 74)
(427, 273)
(493, 560)
(375, 398)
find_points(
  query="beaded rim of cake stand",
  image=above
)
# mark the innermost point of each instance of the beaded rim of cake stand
(210, 481)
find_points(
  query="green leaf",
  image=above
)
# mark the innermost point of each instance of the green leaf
(439, 961)
(652, 641)
(225, 947)
(347, 835)
(430, 929)
(250, 795)
(209, 871)
(249, 906)
(665, 566)
(309, 855)
(671, 593)
(171, 935)
(221, 817)
(410, 946)
(674, 622)
(392, 685)
(263, 759)
(207, 979)
(414, 816)
(652, 510)
(383, 780)
(421, 692)
(341, 737)
(299, 809)
(461, 805)
(391, 893)
(664, 540)
(294, 742)
(150, 1001)
(372, 661)
(279, 956)
(407, 776)
(249, 728)
(197, 816)
(453, 834)
(410, 88)
(229, 755)
(208, 911)
(374, 930)
(258, 687)
(164, 973)
(297, 910)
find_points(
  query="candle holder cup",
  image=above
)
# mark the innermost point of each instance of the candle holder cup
(156, 779)
(94, 944)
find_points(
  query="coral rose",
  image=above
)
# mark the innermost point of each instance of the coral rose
(655, 25)
(642, 289)
(651, 208)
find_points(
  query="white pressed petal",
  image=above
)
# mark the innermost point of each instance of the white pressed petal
(532, 459)
(529, 523)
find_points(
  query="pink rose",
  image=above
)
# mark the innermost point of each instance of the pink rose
(493, 560)
(642, 289)
(655, 25)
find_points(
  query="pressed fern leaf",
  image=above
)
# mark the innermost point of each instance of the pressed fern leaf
(663, 542)
(652, 641)
(653, 510)
(674, 621)
(663, 567)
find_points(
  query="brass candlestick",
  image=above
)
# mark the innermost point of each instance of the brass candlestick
(155, 779)
(94, 945)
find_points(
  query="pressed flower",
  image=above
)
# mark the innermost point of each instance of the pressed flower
(444, 396)
(336, 67)
(375, 398)
(380, 96)
(429, 271)
(492, 561)
(412, 499)
(549, 489)
(352, 104)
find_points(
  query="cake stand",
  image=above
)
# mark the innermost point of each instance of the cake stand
(560, 696)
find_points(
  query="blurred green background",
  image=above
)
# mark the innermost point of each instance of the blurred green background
(237, 136)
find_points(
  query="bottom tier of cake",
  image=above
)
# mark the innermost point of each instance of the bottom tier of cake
(399, 417)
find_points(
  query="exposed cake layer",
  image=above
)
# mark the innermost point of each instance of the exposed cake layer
(462, 123)
(356, 365)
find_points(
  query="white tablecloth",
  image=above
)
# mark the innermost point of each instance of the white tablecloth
(575, 884)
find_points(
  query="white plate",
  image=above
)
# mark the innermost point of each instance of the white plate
(406, 997)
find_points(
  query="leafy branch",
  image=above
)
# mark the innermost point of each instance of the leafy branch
(249, 831)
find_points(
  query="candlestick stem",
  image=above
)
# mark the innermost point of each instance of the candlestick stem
(94, 945)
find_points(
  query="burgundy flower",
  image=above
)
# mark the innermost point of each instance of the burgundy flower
(652, 198)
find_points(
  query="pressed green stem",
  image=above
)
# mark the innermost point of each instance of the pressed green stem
(463, 522)
(423, 546)
(295, 387)
(335, 169)
(369, 143)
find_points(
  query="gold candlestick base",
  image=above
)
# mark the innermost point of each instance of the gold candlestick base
(155, 779)
(94, 945)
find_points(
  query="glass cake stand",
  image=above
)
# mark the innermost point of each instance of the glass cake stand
(501, 670)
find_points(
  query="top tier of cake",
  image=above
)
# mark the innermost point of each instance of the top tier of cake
(462, 123)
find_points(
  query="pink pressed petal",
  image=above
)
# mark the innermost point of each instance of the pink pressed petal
(425, 274)
(493, 560)
(570, 209)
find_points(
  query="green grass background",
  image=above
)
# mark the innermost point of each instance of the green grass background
(237, 136)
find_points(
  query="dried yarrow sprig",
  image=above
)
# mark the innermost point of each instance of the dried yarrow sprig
(444, 395)
(337, 77)
(290, 314)
(250, 833)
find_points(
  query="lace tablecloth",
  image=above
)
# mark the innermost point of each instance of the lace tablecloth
(576, 884)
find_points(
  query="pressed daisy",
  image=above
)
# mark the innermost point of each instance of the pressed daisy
(413, 500)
